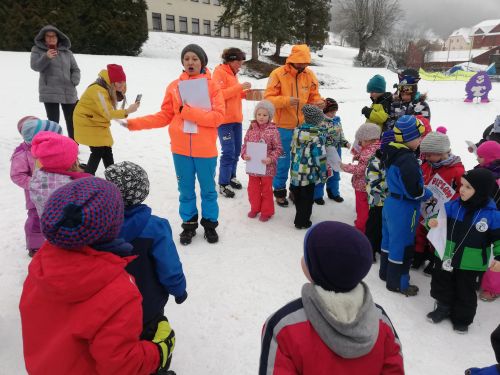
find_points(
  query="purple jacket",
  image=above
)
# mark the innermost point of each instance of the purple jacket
(21, 170)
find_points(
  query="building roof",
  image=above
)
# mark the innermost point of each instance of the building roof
(463, 32)
(454, 55)
(485, 26)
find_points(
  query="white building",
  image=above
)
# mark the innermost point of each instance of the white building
(197, 17)
(459, 40)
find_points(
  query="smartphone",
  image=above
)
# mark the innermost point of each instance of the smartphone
(138, 98)
(52, 46)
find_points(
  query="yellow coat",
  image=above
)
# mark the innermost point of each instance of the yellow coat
(93, 114)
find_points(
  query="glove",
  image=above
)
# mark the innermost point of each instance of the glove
(492, 370)
(182, 298)
(165, 340)
(427, 195)
(366, 111)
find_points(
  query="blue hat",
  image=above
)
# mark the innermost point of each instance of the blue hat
(338, 265)
(407, 129)
(376, 84)
(83, 212)
(33, 127)
(387, 137)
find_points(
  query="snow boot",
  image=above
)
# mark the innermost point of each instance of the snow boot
(440, 313)
(336, 198)
(429, 268)
(280, 196)
(411, 291)
(226, 191)
(210, 233)
(320, 201)
(189, 230)
(460, 328)
(418, 260)
(235, 184)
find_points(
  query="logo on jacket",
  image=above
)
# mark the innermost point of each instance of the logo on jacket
(482, 225)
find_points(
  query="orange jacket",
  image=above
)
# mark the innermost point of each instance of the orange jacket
(285, 82)
(201, 144)
(232, 92)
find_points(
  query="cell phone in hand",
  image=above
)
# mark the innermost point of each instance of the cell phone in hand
(138, 98)
(52, 46)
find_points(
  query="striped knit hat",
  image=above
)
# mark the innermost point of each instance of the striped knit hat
(407, 129)
(313, 115)
(435, 143)
(84, 212)
(387, 137)
(32, 127)
(25, 119)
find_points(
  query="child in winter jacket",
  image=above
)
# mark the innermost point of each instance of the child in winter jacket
(379, 111)
(334, 135)
(94, 112)
(21, 171)
(157, 269)
(57, 164)
(491, 133)
(401, 210)
(308, 164)
(368, 136)
(260, 187)
(472, 227)
(437, 160)
(335, 327)
(80, 310)
(376, 190)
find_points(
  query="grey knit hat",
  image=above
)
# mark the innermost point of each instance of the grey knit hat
(198, 51)
(132, 181)
(368, 132)
(267, 105)
(435, 143)
(313, 115)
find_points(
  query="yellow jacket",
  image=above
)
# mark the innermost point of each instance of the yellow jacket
(93, 114)
(285, 82)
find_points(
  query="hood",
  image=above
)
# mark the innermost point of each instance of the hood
(135, 221)
(392, 151)
(105, 76)
(348, 323)
(62, 43)
(72, 276)
(300, 55)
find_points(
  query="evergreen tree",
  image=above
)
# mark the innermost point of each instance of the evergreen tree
(311, 20)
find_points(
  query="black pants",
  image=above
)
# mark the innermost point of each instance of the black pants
(495, 342)
(374, 228)
(303, 198)
(96, 154)
(52, 110)
(456, 289)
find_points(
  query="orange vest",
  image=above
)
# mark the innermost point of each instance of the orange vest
(201, 144)
(232, 92)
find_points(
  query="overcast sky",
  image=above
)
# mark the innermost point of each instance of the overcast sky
(444, 16)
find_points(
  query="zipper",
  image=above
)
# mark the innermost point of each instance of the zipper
(297, 89)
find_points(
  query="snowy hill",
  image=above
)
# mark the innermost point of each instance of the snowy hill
(235, 285)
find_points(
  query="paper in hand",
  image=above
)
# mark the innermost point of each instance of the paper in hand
(472, 145)
(257, 152)
(194, 92)
(333, 158)
(437, 236)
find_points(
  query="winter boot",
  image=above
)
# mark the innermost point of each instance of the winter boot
(235, 184)
(336, 198)
(460, 328)
(418, 260)
(320, 201)
(429, 268)
(210, 233)
(280, 196)
(440, 313)
(411, 291)
(189, 230)
(226, 191)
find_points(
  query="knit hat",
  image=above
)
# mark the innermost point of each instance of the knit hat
(337, 255)
(376, 84)
(496, 125)
(441, 129)
(54, 151)
(21, 122)
(83, 212)
(313, 115)
(198, 51)
(131, 179)
(32, 127)
(489, 151)
(368, 132)
(267, 105)
(426, 123)
(435, 143)
(116, 73)
(483, 182)
(330, 105)
(233, 54)
(387, 137)
(407, 129)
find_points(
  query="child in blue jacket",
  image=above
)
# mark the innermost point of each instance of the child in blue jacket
(157, 269)
(401, 210)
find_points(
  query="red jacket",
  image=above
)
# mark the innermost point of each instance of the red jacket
(450, 173)
(81, 315)
(232, 92)
(200, 145)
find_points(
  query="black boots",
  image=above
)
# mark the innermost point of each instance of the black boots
(189, 230)
(280, 196)
(210, 234)
(336, 198)
(440, 313)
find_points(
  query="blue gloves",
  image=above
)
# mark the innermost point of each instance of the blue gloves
(180, 299)
(492, 370)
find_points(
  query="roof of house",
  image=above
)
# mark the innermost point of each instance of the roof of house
(485, 26)
(454, 56)
(463, 31)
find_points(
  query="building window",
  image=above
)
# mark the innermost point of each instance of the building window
(195, 1)
(156, 21)
(216, 31)
(237, 32)
(183, 24)
(206, 1)
(195, 25)
(215, 2)
(170, 22)
(226, 31)
(206, 27)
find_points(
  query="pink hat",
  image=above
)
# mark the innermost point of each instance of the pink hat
(116, 73)
(54, 151)
(489, 151)
(21, 122)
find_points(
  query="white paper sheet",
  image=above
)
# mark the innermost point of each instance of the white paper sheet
(257, 152)
(472, 145)
(333, 158)
(437, 236)
(194, 92)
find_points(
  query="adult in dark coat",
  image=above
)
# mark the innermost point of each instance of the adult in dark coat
(59, 74)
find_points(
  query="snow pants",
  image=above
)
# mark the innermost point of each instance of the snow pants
(34, 236)
(283, 165)
(230, 141)
(260, 195)
(332, 184)
(374, 227)
(362, 208)
(303, 198)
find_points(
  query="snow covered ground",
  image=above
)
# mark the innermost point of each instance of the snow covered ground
(235, 285)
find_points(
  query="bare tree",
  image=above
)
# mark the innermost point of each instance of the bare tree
(366, 19)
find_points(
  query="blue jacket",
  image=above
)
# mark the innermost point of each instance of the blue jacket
(157, 269)
(403, 174)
